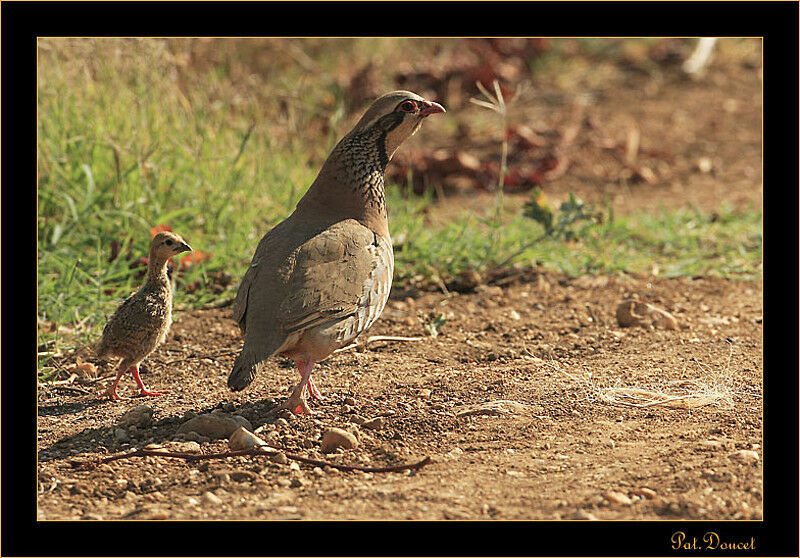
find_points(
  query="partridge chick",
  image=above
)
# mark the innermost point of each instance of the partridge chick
(321, 277)
(142, 321)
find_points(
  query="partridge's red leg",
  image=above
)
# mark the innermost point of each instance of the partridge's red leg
(297, 402)
(315, 393)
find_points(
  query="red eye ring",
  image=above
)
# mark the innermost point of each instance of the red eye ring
(407, 106)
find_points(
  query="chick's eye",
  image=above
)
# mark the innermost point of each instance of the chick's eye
(168, 242)
(408, 106)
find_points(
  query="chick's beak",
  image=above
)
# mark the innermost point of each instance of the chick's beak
(182, 247)
(431, 108)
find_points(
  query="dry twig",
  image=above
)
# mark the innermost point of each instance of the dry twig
(143, 452)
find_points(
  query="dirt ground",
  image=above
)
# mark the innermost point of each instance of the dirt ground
(552, 447)
(531, 400)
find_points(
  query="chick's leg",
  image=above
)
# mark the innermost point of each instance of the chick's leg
(140, 383)
(111, 392)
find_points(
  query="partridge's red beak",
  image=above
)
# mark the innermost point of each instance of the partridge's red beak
(431, 108)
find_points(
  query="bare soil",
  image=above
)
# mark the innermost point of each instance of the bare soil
(519, 399)
(552, 448)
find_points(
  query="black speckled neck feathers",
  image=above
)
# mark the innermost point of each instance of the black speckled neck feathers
(351, 182)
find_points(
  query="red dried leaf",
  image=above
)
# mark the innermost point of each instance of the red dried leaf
(194, 257)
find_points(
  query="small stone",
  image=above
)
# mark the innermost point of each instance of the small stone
(583, 514)
(214, 426)
(241, 475)
(704, 165)
(335, 438)
(183, 447)
(349, 401)
(211, 499)
(425, 393)
(279, 458)
(282, 422)
(120, 434)
(140, 416)
(710, 445)
(617, 498)
(243, 439)
(195, 437)
(222, 476)
(357, 419)
(373, 423)
(745, 456)
(645, 493)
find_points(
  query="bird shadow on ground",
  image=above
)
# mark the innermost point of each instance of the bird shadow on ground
(102, 439)
(67, 408)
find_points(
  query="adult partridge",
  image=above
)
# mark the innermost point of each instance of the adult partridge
(142, 321)
(322, 276)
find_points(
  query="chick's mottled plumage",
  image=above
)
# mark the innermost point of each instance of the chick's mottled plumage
(322, 276)
(142, 321)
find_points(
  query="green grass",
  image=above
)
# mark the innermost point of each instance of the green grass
(220, 148)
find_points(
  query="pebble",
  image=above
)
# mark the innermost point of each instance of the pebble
(583, 514)
(176, 446)
(241, 475)
(335, 438)
(711, 445)
(349, 401)
(646, 493)
(214, 426)
(373, 423)
(617, 498)
(211, 499)
(279, 458)
(140, 416)
(357, 419)
(745, 456)
(243, 439)
(120, 434)
(195, 437)
(704, 165)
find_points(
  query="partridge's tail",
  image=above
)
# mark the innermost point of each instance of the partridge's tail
(245, 368)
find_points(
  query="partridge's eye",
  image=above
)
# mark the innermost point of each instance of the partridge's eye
(408, 106)
(168, 242)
